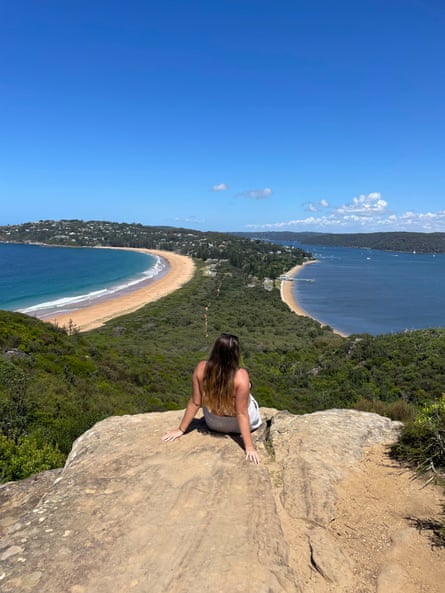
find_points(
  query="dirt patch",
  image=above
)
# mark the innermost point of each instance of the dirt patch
(380, 506)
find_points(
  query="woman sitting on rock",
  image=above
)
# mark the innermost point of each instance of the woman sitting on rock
(222, 388)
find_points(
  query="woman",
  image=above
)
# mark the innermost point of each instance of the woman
(222, 388)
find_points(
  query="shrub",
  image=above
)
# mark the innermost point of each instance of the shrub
(422, 443)
(398, 410)
(26, 457)
(423, 440)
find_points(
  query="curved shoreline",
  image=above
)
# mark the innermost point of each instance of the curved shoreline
(288, 295)
(180, 270)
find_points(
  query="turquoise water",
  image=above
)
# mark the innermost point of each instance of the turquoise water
(40, 280)
(375, 292)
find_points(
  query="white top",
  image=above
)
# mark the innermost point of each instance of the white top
(230, 423)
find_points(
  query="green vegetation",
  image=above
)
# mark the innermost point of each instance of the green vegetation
(392, 241)
(55, 385)
(26, 456)
(423, 440)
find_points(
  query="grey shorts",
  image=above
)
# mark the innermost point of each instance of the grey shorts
(230, 423)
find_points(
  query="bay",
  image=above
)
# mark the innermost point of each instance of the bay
(369, 291)
(40, 280)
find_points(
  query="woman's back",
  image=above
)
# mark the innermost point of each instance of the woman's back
(224, 403)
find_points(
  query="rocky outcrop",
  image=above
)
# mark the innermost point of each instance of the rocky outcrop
(131, 513)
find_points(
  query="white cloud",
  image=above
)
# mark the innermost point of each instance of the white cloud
(316, 206)
(365, 204)
(256, 194)
(365, 213)
(189, 219)
(220, 187)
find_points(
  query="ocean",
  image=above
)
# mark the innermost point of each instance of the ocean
(369, 291)
(41, 280)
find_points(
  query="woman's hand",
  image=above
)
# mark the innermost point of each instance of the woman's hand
(172, 435)
(252, 456)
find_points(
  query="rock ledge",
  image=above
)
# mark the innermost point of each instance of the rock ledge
(130, 513)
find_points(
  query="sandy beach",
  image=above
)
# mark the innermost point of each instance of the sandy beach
(288, 296)
(180, 271)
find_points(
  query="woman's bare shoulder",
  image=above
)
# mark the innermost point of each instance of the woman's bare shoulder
(241, 375)
(199, 369)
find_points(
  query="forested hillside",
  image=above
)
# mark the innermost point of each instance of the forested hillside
(391, 241)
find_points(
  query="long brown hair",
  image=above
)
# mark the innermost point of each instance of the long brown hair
(219, 375)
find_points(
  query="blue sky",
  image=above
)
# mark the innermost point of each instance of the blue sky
(225, 115)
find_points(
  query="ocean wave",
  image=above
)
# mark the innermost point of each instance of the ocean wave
(72, 303)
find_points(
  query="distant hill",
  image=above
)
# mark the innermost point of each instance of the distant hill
(392, 241)
(209, 244)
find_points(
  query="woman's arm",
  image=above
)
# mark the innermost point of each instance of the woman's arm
(242, 397)
(192, 407)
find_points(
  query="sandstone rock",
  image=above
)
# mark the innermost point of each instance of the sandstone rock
(130, 513)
